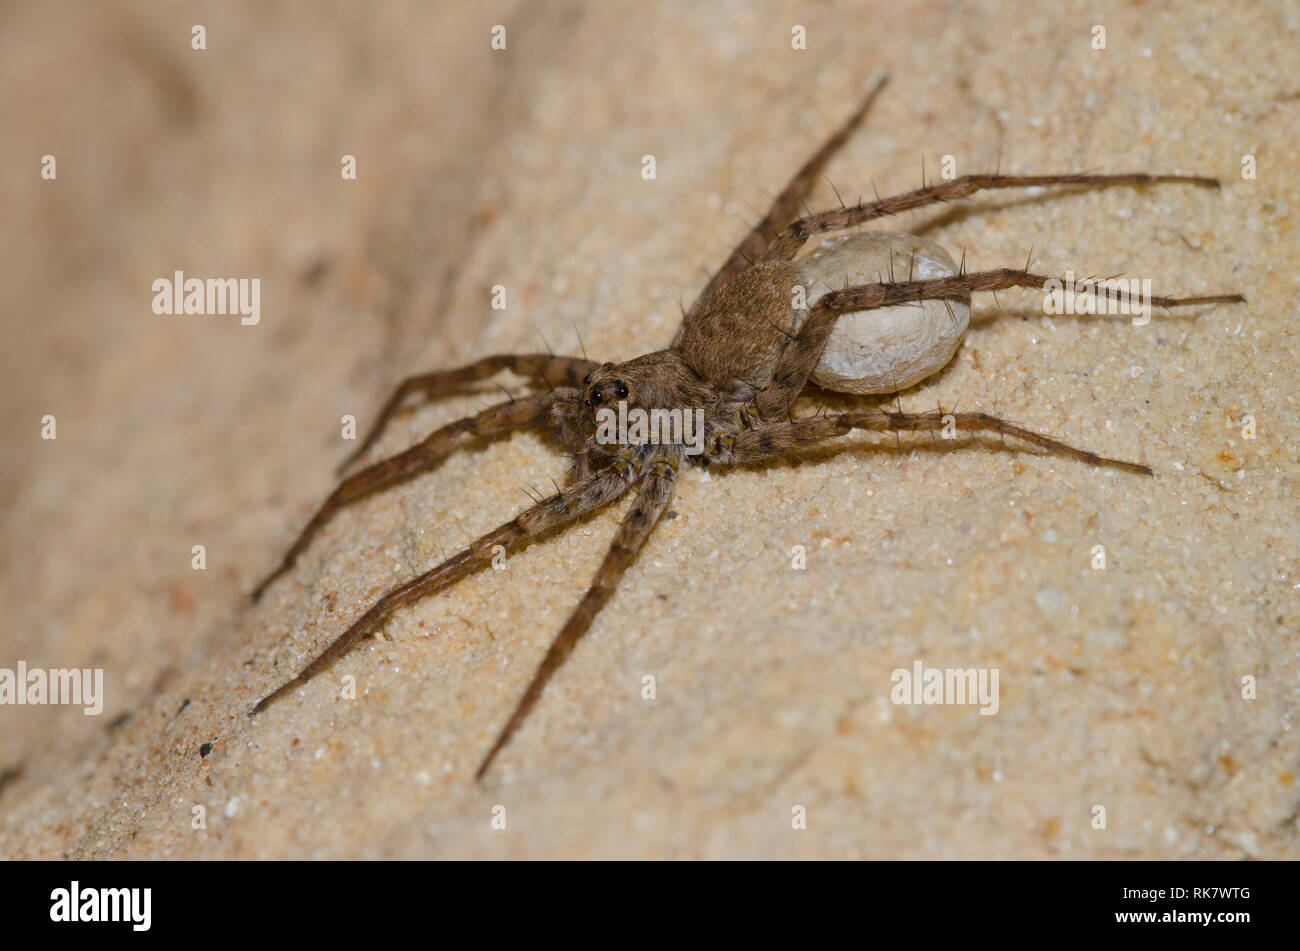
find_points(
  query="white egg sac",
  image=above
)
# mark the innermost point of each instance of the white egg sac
(889, 348)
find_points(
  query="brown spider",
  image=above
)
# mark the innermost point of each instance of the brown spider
(744, 352)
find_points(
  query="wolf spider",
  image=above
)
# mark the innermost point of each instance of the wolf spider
(742, 355)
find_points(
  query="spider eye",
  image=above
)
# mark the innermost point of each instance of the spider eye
(620, 391)
(594, 398)
(586, 380)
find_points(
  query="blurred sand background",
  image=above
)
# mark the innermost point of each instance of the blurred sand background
(1119, 688)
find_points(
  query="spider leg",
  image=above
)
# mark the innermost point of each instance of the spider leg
(494, 420)
(558, 511)
(552, 370)
(803, 353)
(784, 208)
(777, 439)
(653, 493)
(787, 245)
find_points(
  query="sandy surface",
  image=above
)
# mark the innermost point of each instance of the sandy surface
(1120, 688)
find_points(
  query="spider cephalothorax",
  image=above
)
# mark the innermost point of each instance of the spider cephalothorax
(767, 324)
(663, 378)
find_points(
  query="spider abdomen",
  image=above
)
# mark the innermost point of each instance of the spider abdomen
(888, 348)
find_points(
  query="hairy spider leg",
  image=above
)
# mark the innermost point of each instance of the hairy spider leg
(787, 245)
(492, 421)
(552, 370)
(551, 514)
(801, 355)
(777, 439)
(783, 209)
(653, 493)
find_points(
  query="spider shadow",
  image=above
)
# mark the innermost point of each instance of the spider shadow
(957, 213)
(984, 316)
